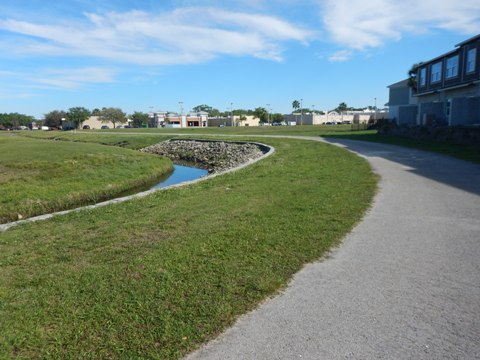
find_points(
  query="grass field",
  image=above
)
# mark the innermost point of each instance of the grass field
(123, 137)
(38, 177)
(156, 277)
(127, 140)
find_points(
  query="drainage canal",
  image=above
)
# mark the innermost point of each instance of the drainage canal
(179, 175)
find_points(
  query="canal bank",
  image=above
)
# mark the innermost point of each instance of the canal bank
(183, 181)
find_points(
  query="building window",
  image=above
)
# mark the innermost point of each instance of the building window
(422, 77)
(436, 72)
(452, 67)
(471, 59)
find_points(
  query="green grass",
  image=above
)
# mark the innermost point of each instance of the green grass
(464, 152)
(158, 276)
(130, 141)
(308, 130)
(38, 177)
(145, 137)
(138, 138)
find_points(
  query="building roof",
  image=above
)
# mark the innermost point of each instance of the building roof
(402, 83)
(476, 37)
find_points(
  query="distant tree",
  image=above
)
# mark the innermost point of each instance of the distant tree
(278, 118)
(139, 118)
(96, 112)
(13, 120)
(77, 115)
(203, 108)
(342, 107)
(239, 112)
(113, 115)
(295, 105)
(54, 118)
(212, 112)
(412, 76)
(241, 119)
(261, 114)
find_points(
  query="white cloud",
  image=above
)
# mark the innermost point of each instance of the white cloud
(359, 25)
(74, 78)
(59, 78)
(340, 56)
(187, 35)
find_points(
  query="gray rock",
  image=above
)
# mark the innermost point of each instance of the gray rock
(214, 156)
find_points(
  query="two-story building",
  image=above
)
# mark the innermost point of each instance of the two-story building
(172, 120)
(447, 91)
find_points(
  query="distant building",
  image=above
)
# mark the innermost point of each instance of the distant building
(332, 117)
(402, 104)
(448, 88)
(94, 122)
(173, 120)
(249, 120)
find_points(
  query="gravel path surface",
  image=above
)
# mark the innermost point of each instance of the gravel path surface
(405, 284)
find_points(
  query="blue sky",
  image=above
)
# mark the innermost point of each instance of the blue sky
(143, 55)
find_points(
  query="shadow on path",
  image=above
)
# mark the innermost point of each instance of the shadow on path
(452, 172)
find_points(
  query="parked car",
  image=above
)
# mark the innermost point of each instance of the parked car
(104, 127)
(45, 128)
(86, 127)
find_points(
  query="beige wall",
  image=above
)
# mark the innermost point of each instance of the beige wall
(95, 123)
(251, 121)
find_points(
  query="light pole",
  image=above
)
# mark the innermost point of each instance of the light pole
(181, 107)
(375, 108)
(301, 111)
(268, 114)
(181, 115)
(231, 114)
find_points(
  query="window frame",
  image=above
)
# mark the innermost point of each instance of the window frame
(422, 77)
(453, 69)
(438, 72)
(471, 60)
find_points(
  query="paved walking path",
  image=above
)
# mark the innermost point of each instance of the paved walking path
(405, 284)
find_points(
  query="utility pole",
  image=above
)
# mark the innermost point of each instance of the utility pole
(181, 107)
(268, 114)
(301, 111)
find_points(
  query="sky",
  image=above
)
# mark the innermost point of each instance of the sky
(167, 55)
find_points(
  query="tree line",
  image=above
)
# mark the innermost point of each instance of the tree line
(14, 120)
(75, 116)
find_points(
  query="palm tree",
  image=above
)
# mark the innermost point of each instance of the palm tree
(342, 107)
(296, 105)
(412, 76)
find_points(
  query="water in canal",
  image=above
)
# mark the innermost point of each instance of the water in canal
(181, 174)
